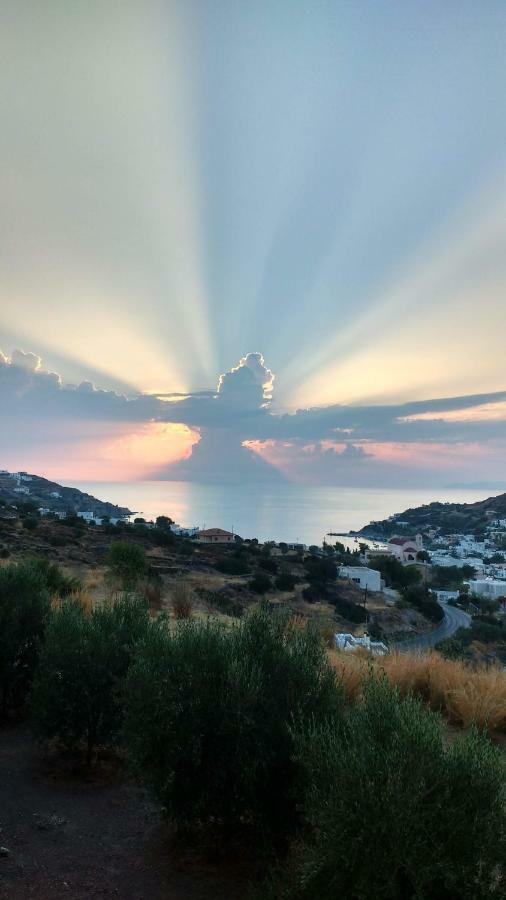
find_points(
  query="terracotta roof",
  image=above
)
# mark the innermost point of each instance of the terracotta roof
(400, 541)
(210, 532)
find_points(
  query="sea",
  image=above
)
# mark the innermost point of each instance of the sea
(286, 512)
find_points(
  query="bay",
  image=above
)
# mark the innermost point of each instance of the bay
(288, 512)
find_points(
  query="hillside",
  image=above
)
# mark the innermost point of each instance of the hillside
(39, 491)
(447, 518)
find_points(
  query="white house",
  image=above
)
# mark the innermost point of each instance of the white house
(21, 490)
(362, 576)
(87, 516)
(55, 494)
(490, 588)
(348, 642)
(182, 531)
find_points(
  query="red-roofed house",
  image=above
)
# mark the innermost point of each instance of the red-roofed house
(215, 536)
(405, 548)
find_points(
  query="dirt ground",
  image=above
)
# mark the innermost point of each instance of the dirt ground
(82, 840)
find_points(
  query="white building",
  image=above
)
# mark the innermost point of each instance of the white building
(440, 559)
(446, 595)
(21, 490)
(87, 516)
(487, 587)
(362, 576)
(405, 549)
(191, 531)
(348, 642)
(55, 494)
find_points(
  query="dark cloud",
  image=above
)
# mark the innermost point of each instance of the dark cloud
(242, 406)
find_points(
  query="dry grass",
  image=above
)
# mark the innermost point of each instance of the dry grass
(182, 600)
(465, 695)
(81, 596)
(153, 595)
(480, 700)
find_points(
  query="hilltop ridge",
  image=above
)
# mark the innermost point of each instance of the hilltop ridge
(24, 487)
(447, 518)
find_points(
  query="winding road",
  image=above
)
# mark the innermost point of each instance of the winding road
(454, 619)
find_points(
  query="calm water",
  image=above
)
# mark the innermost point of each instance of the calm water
(287, 512)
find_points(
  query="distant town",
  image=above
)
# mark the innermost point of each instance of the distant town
(433, 576)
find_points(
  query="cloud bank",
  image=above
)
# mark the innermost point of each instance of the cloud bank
(243, 437)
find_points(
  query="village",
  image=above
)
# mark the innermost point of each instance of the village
(396, 591)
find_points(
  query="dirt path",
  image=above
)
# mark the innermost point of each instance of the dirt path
(69, 839)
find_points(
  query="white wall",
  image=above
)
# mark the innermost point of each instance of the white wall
(362, 577)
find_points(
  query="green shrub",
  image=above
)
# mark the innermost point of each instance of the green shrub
(209, 715)
(31, 523)
(394, 812)
(222, 602)
(285, 581)
(418, 596)
(233, 566)
(349, 610)
(394, 573)
(268, 565)
(77, 692)
(260, 583)
(126, 562)
(24, 607)
(57, 583)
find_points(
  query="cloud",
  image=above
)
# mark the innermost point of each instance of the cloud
(249, 385)
(241, 411)
(29, 361)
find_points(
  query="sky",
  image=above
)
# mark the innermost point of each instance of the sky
(254, 241)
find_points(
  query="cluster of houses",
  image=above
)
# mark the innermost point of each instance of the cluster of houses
(485, 554)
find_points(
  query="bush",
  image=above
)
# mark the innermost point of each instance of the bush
(349, 610)
(31, 523)
(57, 582)
(233, 566)
(77, 691)
(222, 602)
(209, 715)
(394, 573)
(285, 582)
(269, 565)
(320, 570)
(394, 812)
(260, 583)
(24, 607)
(182, 600)
(127, 562)
(418, 596)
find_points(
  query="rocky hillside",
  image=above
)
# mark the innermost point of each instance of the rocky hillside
(27, 488)
(449, 518)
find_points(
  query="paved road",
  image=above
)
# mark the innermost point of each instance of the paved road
(454, 619)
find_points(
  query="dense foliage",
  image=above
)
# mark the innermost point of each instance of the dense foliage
(420, 598)
(127, 563)
(24, 608)
(210, 713)
(394, 573)
(394, 813)
(77, 691)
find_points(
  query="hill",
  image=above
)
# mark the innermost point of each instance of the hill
(23, 487)
(447, 518)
